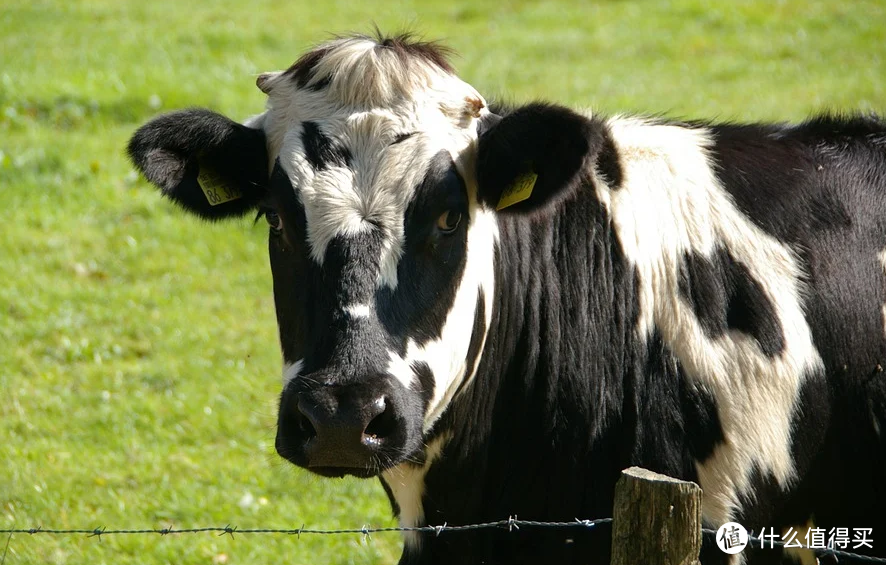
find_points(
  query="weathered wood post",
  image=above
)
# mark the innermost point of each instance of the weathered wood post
(656, 520)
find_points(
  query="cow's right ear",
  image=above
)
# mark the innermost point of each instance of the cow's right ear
(205, 162)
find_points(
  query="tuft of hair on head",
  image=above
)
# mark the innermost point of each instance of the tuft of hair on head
(371, 70)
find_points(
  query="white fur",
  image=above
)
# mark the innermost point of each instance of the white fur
(446, 356)
(670, 202)
(358, 310)
(292, 370)
(882, 257)
(407, 484)
(400, 369)
(373, 97)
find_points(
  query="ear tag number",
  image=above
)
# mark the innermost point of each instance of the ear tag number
(517, 192)
(214, 187)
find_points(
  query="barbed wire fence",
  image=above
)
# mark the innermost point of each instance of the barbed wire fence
(511, 524)
(654, 515)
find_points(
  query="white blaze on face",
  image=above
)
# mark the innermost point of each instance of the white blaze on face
(446, 356)
(670, 203)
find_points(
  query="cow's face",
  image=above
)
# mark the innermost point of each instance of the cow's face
(382, 259)
(382, 246)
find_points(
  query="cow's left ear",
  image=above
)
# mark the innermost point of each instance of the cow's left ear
(534, 156)
(207, 163)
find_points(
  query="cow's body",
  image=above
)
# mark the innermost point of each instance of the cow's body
(707, 301)
(569, 392)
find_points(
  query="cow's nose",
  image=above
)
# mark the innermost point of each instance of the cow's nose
(345, 427)
(334, 430)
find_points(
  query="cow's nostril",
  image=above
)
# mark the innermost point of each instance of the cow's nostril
(382, 425)
(304, 424)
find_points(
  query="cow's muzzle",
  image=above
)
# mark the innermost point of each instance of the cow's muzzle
(360, 428)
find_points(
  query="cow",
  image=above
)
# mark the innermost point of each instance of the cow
(495, 309)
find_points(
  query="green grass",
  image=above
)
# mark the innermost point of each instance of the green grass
(138, 356)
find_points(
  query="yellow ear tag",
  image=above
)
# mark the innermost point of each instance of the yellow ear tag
(214, 187)
(517, 192)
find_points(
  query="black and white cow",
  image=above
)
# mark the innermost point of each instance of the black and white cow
(497, 310)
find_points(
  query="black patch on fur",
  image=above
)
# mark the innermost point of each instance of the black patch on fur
(432, 265)
(302, 71)
(321, 151)
(608, 165)
(170, 150)
(702, 429)
(350, 266)
(290, 266)
(554, 142)
(703, 286)
(686, 425)
(724, 295)
(750, 310)
(797, 180)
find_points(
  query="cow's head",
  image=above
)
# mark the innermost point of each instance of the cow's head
(382, 240)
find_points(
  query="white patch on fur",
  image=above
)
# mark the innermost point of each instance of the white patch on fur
(374, 95)
(670, 203)
(407, 484)
(358, 310)
(882, 257)
(446, 356)
(400, 369)
(292, 370)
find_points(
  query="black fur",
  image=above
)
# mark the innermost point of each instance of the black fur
(341, 353)
(171, 149)
(560, 351)
(320, 151)
(724, 295)
(551, 141)
(433, 263)
(302, 71)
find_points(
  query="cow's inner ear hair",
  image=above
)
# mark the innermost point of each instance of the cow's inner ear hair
(205, 162)
(535, 155)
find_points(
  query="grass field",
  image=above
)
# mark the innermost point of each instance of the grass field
(138, 356)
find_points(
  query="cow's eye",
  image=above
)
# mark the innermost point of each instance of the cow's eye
(448, 221)
(274, 221)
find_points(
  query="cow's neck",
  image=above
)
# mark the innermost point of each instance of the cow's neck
(529, 435)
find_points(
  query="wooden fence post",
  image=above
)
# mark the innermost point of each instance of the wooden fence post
(656, 520)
